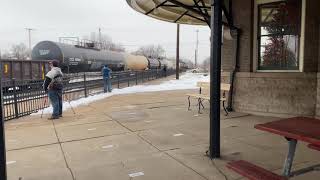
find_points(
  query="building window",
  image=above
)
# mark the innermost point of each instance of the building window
(279, 25)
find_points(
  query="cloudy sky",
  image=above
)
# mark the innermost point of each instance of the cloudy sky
(60, 18)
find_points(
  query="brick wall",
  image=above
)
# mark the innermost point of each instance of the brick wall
(312, 36)
(243, 19)
(276, 94)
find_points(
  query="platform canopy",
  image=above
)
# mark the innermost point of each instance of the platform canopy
(194, 12)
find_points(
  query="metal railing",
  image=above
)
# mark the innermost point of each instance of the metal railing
(25, 97)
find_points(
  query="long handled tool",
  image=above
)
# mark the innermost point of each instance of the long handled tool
(66, 97)
(44, 105)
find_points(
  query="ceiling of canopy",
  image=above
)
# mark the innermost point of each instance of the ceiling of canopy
(195, 12)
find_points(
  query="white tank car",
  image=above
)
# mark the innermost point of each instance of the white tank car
(169, 64)
(136, 63)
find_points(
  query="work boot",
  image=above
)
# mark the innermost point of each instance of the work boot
(53, 117)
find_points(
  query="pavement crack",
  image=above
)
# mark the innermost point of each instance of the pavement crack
(63, 153)
(163, 151)
(185, 165)
(123, 165)
(219, 170)
(130, 130)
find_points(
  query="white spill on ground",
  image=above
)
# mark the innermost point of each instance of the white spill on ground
(107, 147)
(11, 162)
(92, 129)
(187, 81)
(177, 135)
(136, 174)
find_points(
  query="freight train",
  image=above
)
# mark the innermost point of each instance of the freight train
(86, 58)
(76, 58)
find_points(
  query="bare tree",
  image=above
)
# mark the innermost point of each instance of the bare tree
(153, 51)
(5, 55)
(19, 51)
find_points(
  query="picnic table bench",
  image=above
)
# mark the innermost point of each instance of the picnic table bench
(204, 94)
(293, 130)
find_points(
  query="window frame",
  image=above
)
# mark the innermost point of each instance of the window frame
(256, 43)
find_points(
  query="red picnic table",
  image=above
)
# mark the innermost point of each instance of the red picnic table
(295, 129)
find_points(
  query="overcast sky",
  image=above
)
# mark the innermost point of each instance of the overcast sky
(53, 19)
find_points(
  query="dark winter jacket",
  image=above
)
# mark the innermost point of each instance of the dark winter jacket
(53, 80)
(106, 72)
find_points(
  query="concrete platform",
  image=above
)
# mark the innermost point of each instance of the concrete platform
(148, 136)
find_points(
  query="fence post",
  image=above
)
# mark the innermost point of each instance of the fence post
(118, 80)
(85, 85)
(128, 77)
(142, 76)
(15, 98)
(136, 78)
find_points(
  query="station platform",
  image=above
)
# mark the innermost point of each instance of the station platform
(145, 136)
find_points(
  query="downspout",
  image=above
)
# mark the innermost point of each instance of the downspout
(235, 33)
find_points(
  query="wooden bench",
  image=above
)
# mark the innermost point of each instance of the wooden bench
(252, 171)
(314, 147)
(204, 94)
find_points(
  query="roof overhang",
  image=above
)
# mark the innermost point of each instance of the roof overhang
(194, 12)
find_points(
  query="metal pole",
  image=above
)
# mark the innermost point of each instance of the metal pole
(3, 163)
(100, 41)
(15, 99)
(215, 76)
(85, 85)
(178, 51)
(197, 49)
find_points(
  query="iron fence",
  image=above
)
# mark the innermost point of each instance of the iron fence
(24, 97)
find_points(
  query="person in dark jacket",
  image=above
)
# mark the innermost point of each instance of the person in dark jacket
(53, 86)
(106, 72)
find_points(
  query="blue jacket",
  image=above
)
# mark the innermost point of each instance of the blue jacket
(106, 72)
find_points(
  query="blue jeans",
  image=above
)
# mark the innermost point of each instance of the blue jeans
(55, 97)
(107, 85)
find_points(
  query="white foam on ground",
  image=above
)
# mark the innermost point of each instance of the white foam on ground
(11, 162)
(136, 174)
(177, 135)
(187, 81)
(107, 147)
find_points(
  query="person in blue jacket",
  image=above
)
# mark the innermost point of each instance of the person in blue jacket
(106, 72)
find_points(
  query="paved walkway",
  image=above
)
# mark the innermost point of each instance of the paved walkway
(146, 136)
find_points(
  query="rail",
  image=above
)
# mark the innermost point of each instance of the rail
(24, 97)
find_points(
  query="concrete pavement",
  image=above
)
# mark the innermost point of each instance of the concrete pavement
(147, 136)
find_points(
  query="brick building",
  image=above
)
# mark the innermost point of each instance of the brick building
(278, 55)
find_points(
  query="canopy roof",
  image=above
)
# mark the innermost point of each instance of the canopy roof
(195, 12)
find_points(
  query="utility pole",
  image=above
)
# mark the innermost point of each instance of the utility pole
(178, 51)
(197, 50)
(100, 41)
(29, 34)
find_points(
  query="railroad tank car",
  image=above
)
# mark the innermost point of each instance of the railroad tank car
(137, 63)
(169, 64)
(154, 63)
(75, 58)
